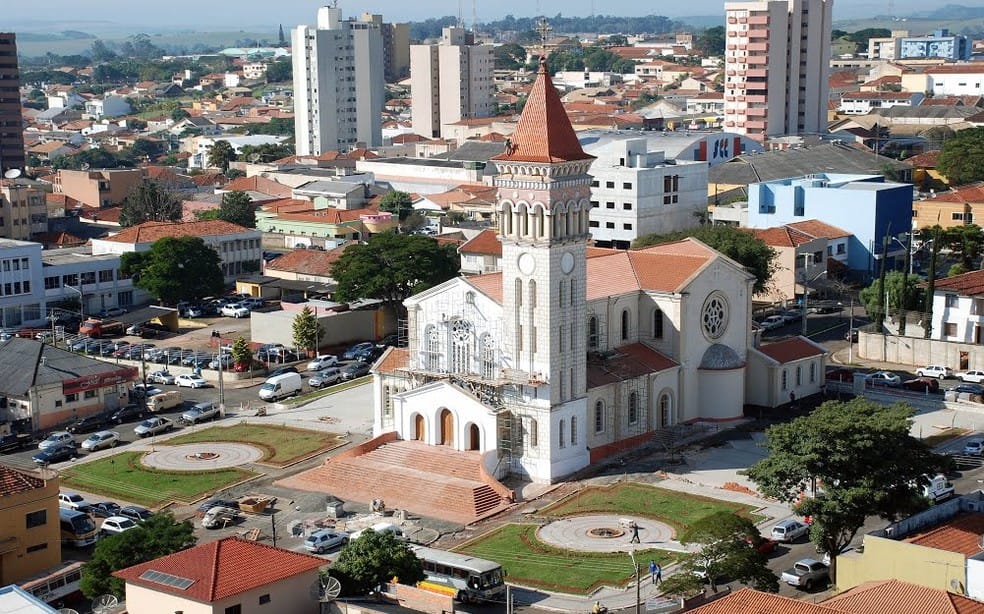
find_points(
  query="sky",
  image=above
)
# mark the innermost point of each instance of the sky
(232, 14)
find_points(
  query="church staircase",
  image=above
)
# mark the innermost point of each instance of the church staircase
(434, 481)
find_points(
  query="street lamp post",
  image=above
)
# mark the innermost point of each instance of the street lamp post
(81, 299)
(635, 565)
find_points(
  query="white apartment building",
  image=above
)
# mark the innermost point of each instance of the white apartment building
(777, 56)
(450, 81)
(338, 84)
(960, 79)
(636, 191)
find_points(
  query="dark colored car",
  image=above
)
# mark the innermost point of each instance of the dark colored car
(762, 544)
(355, 350)
(55, 454)
(389, 340)
(841, 375)
(282, 370)
(969, 388)
(89, 424)
(354, 370)
(127, 413)
(369, 355)
(135, 513)
(210, 503)
(922, 384)
(105, 509)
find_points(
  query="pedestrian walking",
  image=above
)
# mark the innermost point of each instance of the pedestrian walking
(635, 533)
(656, 572)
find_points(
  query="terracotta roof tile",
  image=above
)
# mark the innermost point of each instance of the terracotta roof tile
(307, 261)
(782, 236)
(485, 242)
(223, 568)
(260, 184)
(961, 534)
(897, 597)
(968, 284)
(13, 482)
(927, 159)
(544, 132)
(489, 284)
(792, 349)
(749, 601)
(148, 232)
(973, 193)
(628, 362)
(818, 229)
(392, 360)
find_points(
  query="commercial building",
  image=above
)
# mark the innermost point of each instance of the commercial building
(98, 188)
(939, 44)
(11, 125)
(450, 81)
(23, 210)
(338, 84)
(30, 541)
(776, 67)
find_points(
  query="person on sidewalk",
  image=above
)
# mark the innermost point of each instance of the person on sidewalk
(598, 608)
(635, 533)
(656, 572)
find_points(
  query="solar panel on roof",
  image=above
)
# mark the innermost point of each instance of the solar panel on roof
(166, 579)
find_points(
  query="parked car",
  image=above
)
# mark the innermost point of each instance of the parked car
(253, 303)
(89, 424)
(104, 509)
(201, 412)
(234, 311)
(114, 525)
(153, 426)
(974, 447)
(135, 513)
(72, 501)
(353, 351)
(192, 358)
(976, 377)
(788, 531)
(772, 322)
(884, 378)
(56, 439)
(922, 384)
(977, 389)
(210, 503)
(392, 340)
(355, 370)
(840, 374)
(187, 380)
(851, 335)
(144, 391)
(55, 454)
(369, 355)
(282, 371)
(112, 312)
(324, 540)
(806, 573)
(127, 413)
(161, 377)
(325, 377)
(762, 544)
(321, 362)
(100, 440)
(220, 516)
(792, 315)
(938, 371)
(268, 351)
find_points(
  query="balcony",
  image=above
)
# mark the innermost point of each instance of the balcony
(755, 124)
(755, 98)
(757, 60)
(756, 112)
(758, 20)
(732, 20)
(758, 34)
(757, 72)
(758, 47)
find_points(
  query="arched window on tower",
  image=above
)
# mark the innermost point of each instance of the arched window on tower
(657, 323)
(432, 355)
(461, 346)
(593, 333)
(599, 417)
(561, 434)
(573, 430)
(534, 433)
(625, 324)
(489, 363)
(633, 408)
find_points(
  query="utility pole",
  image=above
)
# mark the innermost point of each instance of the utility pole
(906, 272)
(880, 315)
(850, 335)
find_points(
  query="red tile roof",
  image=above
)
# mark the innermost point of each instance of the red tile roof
(544, 132)
(148, 232)
(749, 601)
(961, 534)
(968, 284)
(307, 261)
(223, 569)
(485, 242)
(489, 284)
(665, 268)
(897, 597)
(972, 193)
(392, 360)
(927, 159)
(628, 362)
(260, 184)
(792, 349)
(13, 482)
(818, 229)
(783, 236)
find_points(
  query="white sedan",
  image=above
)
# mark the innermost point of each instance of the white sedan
(116, 524)
(100, 440)
(55, 439)
(234, 311)
(884, 378)
(976, 377)
(322, 362)
(188, 380)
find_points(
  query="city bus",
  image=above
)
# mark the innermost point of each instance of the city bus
(78, 529)
(465, 578)
(57, 585)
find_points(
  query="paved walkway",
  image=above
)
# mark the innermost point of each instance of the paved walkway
(607, 533)
(202, 456)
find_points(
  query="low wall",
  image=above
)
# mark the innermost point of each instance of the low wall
(367, 446)
(418, 599)
(916, 351)
(602, 452)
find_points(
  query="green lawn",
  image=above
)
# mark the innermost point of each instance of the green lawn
(122, 476)
(530, 562)
(317, 394)
(676, 509)
(281, 445)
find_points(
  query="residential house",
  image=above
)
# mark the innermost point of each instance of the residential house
(108, 106)
(862, 103)
(29, 525)
(476, 202)
(305, 265)
(199, 125)
(306, 223)
(226, 576)
(800, 260)
(201, 145)
(958, 207)
(98, 188)
(838, 242)
(793, 368)
(481, 254)
(50, 151)
(958, 304)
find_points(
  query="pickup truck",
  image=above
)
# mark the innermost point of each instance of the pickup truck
(806, 573)
(15, 441)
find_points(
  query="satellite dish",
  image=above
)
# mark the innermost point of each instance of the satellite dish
(13, 173)
(85, 166)
(956, 586)
(326, 589)
(104, 603)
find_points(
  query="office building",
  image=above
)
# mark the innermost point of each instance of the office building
(338, 84)
(450, 81)
(11, 126)
(776, 67)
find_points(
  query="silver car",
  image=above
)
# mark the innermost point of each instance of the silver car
(100, 440)
(153, 426)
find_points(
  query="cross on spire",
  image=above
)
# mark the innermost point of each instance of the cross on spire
(543, 28)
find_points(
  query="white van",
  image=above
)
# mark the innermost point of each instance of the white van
(165, 401)
(280, 387)
(379, 527)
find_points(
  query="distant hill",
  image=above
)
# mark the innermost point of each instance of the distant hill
(951, 12)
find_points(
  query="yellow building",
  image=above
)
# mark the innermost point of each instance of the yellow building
(959, 207)
(29, 527)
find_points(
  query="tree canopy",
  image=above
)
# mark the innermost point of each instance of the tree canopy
(962, 157)
(220, 154)
(375, 558)
(238, 208)
(155, 537)
(175, 268)
(509, 56)
(710, 42)
(281, 70)
(306, 330)
(914, 297)
(150, 202)
(392, 267)
(735, 243)
(860, 459)
(398, 203)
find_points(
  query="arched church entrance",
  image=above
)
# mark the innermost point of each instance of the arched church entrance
(474, 438)
(447, 428)
(418, 427)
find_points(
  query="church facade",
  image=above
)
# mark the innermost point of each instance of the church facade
(570, 353)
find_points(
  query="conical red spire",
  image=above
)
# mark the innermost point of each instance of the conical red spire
(544, 132)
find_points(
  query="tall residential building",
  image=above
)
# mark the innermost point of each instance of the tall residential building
(338, 84)
(396, 46)
(776, 67)
(450, 81)
(11, 126)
